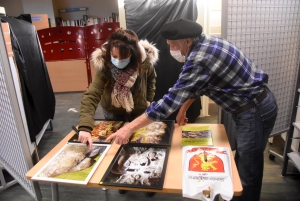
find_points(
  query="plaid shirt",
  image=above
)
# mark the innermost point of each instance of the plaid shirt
(215, 68)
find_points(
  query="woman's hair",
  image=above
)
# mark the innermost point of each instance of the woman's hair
(127, 43)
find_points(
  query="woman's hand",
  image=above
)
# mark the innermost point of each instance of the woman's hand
(148, 103)
(85, 138)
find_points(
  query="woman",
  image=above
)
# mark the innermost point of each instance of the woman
(124, 83)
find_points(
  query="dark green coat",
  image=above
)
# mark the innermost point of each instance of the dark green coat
(101, 88)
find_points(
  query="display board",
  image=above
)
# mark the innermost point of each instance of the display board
(268, 32)
(15, 156)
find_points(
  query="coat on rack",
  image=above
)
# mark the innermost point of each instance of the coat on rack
(37, 93)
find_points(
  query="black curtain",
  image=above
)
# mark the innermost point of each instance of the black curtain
(37, 93)
(146, 18)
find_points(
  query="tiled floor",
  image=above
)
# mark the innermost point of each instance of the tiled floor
(275, 187)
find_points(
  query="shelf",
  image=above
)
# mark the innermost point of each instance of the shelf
(295, 158)
(297, 125)
(67, 10)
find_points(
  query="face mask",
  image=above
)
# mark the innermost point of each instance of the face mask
(177, 55)
(120, 64)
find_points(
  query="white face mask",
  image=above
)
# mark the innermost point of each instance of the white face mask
(177, 55)
(120, 64)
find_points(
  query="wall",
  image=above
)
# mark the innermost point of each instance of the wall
(12, 7)
(202, 15)
(39, 7)
(122, 18)
(209, 16)
(96, 8)
(214, 24)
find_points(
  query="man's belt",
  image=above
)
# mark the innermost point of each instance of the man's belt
(250, 105)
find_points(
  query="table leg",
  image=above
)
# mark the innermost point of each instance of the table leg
(54, 191)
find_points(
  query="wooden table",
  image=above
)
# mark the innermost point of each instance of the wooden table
(173, 178)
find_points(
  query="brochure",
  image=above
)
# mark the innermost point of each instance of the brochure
(196, 136)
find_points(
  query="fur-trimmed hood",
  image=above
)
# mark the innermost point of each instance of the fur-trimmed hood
(148, 51)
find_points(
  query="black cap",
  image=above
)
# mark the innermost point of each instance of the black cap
(180, 29)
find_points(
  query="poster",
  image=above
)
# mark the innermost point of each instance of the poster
(159, 133)
(138, 167)
(206, 167)
(102, 130)
(74, 163)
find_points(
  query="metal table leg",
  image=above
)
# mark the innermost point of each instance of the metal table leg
(54, 191)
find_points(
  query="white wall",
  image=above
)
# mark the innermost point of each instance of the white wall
(202, 15)
(209, 16)
(122, 18)
(12, 7)
(39, 7)
(96, 8)
(214, 20)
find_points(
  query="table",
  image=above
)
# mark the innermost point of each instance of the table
(172, 184)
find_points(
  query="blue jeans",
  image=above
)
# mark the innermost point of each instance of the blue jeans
(253, 128)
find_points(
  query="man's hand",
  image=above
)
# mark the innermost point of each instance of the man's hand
(181, 118)
(121, 136)
(85, 137)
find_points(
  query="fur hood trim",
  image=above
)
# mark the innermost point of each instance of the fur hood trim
(148, 50)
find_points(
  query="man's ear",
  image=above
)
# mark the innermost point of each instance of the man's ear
(189, 42)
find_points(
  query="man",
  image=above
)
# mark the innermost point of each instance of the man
(218, 69)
